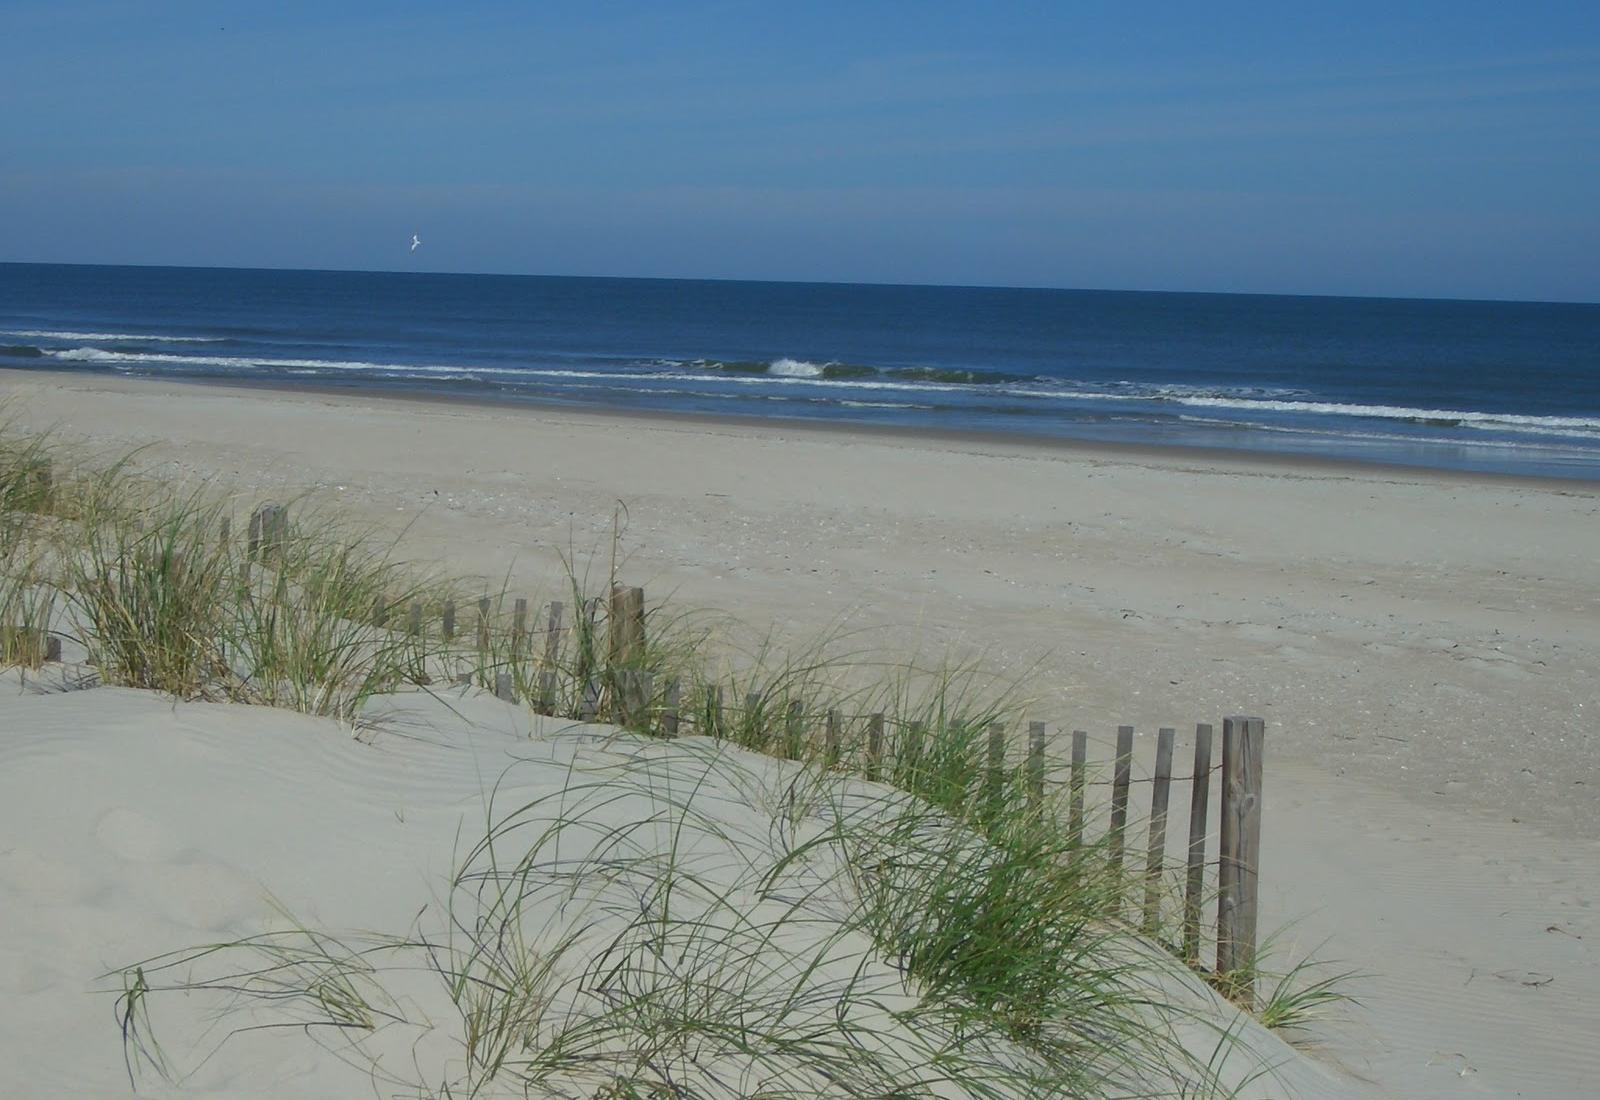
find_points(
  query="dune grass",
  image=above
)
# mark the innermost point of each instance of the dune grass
(317, 625)
(151, 587)
(611, 938)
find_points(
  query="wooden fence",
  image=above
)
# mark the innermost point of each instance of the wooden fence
(616, 680)
(634, 700)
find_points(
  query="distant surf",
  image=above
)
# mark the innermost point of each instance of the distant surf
(1507, 387)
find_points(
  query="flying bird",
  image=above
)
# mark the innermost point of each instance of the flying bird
(415, 240)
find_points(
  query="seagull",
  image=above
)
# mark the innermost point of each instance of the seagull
(415, 240)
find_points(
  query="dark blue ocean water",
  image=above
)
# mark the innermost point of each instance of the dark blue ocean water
(1488, 386)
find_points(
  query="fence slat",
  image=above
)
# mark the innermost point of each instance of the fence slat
(414, 622)
(997, 769)
(670, 701)
(1239, 865)
(1160, 791)
(874, 745)
(519, 624)
(794, 729)
(1036, 764)
(449, 627)
(269, 529)
(1122, 775)
(634, 689)
(1080, 768)
(833, 738)
(588, 675)
(546, 703)
(1199, 807)
(626, 628)
(552, 634)
(503, 688)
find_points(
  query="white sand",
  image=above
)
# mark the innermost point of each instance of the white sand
(1422, 647)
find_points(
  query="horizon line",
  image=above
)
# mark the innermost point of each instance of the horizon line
(812, 282)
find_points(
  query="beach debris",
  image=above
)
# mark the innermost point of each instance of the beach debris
(1533, 979)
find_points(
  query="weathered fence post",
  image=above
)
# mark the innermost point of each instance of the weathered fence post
(552, 650)
(1120, 779)
(626, 624)
(874, 745)
(634, 688)
(414, 624)
(1080, 768)
(1036, 764)
(503, 688)
(1199, 807)
(449, 619)
(997, 770)
(1160, 790)
(269, 529)
(751, 718)
(670, 701)
(589, 676)
(794, 729)
(519, 625)
(1239, 865)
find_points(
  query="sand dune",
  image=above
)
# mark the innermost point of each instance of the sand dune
(146, 826)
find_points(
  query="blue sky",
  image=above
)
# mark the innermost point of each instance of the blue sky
(1433, 149)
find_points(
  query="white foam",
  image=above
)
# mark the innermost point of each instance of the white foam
(234, 362)
(1581, 424)
(795, 368)
(53, 334)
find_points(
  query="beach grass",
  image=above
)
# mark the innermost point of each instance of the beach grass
(150, 586)
(611, 937)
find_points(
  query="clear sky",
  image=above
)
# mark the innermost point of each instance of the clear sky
(1430, 148)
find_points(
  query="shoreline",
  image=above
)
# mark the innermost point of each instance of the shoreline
(978, 442)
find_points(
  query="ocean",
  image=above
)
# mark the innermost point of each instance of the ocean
(1501, 387)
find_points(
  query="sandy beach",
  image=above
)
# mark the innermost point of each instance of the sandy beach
(1422, 646)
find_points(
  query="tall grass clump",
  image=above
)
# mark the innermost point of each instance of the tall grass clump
(623, 935)
(27, 608)
(1011, 923)
(27, 483)
(1294, 997)
(151, 586)
(314, 628)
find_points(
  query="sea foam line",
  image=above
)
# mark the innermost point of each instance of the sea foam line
(801, 373)
(1397, 412)
(53, 334)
